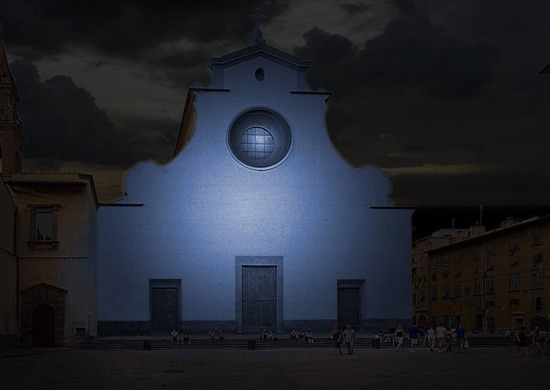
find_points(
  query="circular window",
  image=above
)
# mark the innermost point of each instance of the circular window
(259, 139)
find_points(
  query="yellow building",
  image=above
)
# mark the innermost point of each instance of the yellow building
(47, 242)
(487, 280)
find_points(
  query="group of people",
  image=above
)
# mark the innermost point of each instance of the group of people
(540, 345)
(184, 338)
(348, 336)
(440, 337)
(301, 335)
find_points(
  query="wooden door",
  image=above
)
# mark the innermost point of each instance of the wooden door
(43, 326)
(164, 311)
(348, 306)
(259, 298)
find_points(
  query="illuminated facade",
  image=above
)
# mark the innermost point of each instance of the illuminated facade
(487, 280)
(257, 222)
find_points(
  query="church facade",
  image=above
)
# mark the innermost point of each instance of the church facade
(257, 222)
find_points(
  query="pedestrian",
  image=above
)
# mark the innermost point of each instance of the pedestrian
(350, 337)
(449, 340)
(421, 336)
(399, 333)
(391, 334)
(431, 338)
(522, 340)
(440, 334)
(460, 337)
(413, 336)
(336, 336)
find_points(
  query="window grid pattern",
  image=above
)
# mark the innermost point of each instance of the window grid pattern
(257, 143)
(44, 226)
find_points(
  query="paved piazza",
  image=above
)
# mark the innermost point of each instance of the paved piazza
(487, 368)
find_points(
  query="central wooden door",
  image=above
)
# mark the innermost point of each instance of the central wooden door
(348, 306)
(164, 310)
(259, 306)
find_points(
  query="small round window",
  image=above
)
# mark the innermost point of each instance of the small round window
(259, 139)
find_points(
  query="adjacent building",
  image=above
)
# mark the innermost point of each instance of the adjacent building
(48, 239)
(487, 280)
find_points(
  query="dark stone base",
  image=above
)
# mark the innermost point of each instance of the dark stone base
(137, 328)
(123, 328)
(206, 326)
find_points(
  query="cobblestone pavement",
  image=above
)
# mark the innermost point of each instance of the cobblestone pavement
(60, 369)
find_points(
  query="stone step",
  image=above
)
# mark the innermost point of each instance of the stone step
(243, 343)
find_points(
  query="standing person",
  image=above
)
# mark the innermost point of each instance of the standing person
(336, 336)
(440, 334)
(350, 337)
(535, 340)
(522, 343)
(460, 337)
(421, 336)
(391, 334)
(431, 338)
(399, 333)
(413, 335)
(449, 340)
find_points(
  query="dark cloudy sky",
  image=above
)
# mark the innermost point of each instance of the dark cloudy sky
(445, 96)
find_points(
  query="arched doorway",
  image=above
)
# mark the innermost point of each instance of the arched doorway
(43, 316)
(43, 326)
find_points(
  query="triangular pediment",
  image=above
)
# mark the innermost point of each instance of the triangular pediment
(259, 50)
(44, 286)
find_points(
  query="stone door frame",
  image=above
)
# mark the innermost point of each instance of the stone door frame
(258, 261)
(43, 294)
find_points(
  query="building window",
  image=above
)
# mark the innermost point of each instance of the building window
(514, 282)
(537, 258)
(538, 303)
(477, 286)
(514, 244)
(446, 275)
(490, 284)
(445, 291)
(433, 293)
(434, 277)
(514, 260)
(446, 260)
(457, 289)
(514, 302)
(421, 295)
(467, 290)
(43, 225)
(433, 263)
(538, 278)
(456, 257)
(490, 249)
(478, 252)
(260, 139)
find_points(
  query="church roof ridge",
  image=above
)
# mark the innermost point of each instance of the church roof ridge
(259, 49)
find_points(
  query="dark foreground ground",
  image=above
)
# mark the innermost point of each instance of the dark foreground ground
(485, 368)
